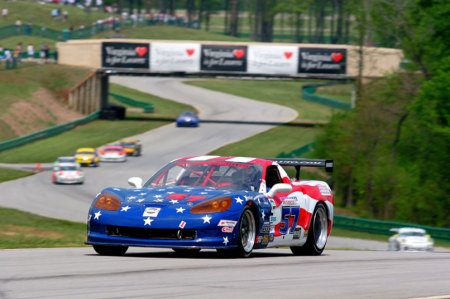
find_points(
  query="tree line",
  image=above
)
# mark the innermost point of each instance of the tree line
(392, 151)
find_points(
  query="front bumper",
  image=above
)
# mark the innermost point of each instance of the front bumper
(78, 180)
(113, 159)
(417, 247)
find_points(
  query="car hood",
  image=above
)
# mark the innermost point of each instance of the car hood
(82, 156)
(415, 239)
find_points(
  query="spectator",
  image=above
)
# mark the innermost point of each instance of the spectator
(66, 15)
(18, 52)
(28, 28)
(18, 25)
(9, 59)
(5, 13)
(30, 50)
(42, 54)
(54, 14)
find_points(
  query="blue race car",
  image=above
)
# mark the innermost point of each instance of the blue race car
(187, 119)
(231, 204)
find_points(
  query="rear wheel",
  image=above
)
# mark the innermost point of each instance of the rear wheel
(110, 250)
(246, 236)
(318, 233)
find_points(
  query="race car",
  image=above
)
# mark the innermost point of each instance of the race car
(87, 156)
(410, 238)
(231, 204)
(67, 173)
(113, 153)
(132, 147)
(187, 119)
(68, 159)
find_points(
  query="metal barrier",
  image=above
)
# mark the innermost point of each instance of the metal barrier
(148, 108)
(383, 227)
(12, 143)
(308, 93)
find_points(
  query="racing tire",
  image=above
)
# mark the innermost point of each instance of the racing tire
(246, 236)
(110, 250)
(318, 233)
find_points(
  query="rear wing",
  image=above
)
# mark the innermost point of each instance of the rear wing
(298, 163)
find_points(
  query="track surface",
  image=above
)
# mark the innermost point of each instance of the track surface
(160, 273)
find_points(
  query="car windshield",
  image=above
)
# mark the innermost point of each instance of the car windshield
(84, 153)
(112, 149)
(69, 159)
(68, 168)
(192, 114)
(412, 234)
(217, 174)
(128, 144)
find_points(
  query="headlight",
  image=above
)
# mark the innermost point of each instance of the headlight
(403, 241)
(215, 205)
(106, 201)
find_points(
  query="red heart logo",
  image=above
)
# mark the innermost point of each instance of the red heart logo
(288, 55)
(190, 51)
(141, 51)
(238, 53)
(337, 56)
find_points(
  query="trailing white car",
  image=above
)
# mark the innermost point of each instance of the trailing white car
(409, 238)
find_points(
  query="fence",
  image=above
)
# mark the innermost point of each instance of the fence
(47, 132)
(308, 93)
(148, 108)
(85, 97)
(383, 227)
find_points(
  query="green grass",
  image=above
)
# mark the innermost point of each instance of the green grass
(283, 92)
(337, 92)
(40, 15)
(7, 174)
(97, 133)
(24, 230)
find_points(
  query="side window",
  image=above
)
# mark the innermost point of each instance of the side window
(272, 176)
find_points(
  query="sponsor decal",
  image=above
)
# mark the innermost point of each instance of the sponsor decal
(265, 229)
(324, 190)
(258, 239)
(273, 218)
(305, 234)
(272, 59)
(151, 212)
(265, 240)
(182, 224)
(224, 58)
(297, 233)
(230, 223)
(271, 237)
(322, 61)
(291, 200)
(125, 55)
(178, 57)
(227, 229)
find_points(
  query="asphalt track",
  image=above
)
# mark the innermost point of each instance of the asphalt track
(159, 273)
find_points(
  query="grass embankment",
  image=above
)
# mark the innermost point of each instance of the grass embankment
(97, 133)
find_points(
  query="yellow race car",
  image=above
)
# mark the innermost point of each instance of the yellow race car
(132, 147)
(87, 156)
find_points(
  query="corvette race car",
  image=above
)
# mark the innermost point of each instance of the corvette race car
(112, 153)
(231, 204)
(187, 119)
(87, 156)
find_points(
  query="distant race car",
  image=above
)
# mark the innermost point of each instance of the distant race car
(231, 204)
(409, 238)
(187, 119)
(87, 156)
(132, 147)
(67, 173)
(112, 153)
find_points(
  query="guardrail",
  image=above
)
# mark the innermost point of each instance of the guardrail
(308, 93)
(47, 132)
(383, 227)
(148, 107)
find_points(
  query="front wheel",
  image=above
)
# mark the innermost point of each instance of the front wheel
(110, 250)
(318, 233)
(246, 236)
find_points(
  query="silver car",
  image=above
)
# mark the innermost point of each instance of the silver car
(67, 173)
(409, 238)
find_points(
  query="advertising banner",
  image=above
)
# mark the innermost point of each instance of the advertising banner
(272, 60)
(224, 58)
(125, 55)
(322, 61)
(175, 57)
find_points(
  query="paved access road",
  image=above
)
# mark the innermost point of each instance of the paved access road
(271, 273)
(36, 194)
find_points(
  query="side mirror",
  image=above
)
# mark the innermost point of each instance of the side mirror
(279, 188)
(135, 182)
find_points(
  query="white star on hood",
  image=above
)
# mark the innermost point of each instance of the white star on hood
(206, 219)
(180, 210)
(97, 215)
(239, 200)
(125, 209)
(148, 221)
(225, 240)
